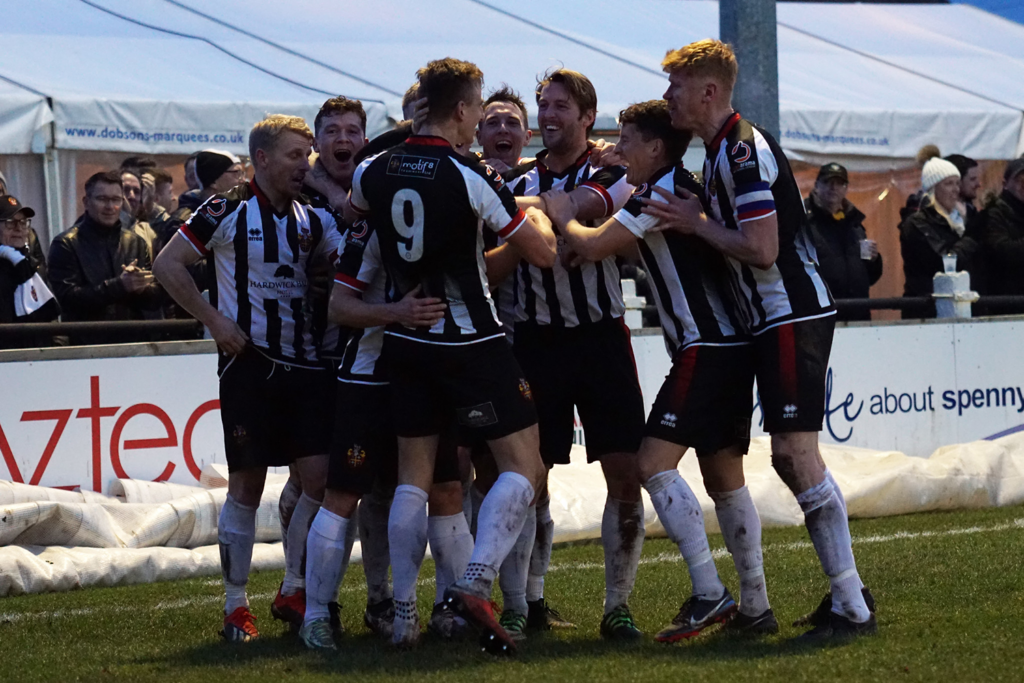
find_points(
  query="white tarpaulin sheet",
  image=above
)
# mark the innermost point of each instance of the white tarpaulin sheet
(150, 538)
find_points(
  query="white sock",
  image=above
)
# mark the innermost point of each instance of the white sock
(830, 533)
(295, 557)
(741, 529)
(467, 502)
(407, 536)
(622, 536)
(476, 497)
(236, 533)
(501, 519)
(683, 520)
(374, 511)
(351, 533)
(286, 506)
(839, 493)
(540, 558)
(512, 576)
(325, 566)
(451, 545)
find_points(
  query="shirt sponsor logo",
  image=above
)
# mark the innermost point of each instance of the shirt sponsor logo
(412, 166)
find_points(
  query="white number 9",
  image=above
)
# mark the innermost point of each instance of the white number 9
(412, 232)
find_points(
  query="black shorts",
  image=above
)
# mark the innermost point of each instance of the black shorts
(706, 400)
(592, 368)
(480, 384)
(791, 362)
(273, 413)
(364, 449)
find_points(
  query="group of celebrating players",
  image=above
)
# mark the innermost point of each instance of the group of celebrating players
(476, 304)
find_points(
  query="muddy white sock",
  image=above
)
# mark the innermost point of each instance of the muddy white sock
(622, 536)
(407, 536)
(683, 520)
(514, 570)
(451, 546)
(295, 558)
(540, 558)
(741, 529)
(374, 510)
(236, 533)
(501, 519)
(829, 530)
(325, 566)
(286, 506)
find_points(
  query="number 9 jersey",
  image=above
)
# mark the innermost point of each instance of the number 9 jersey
(428, 205)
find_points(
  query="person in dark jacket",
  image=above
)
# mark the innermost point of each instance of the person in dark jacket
(848, 261)
(24, 298)
(935, 230)
(98, 269)
(970, 184)
(1000, 228)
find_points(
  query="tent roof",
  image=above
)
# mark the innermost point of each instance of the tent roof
(867, 81)
(22, 114)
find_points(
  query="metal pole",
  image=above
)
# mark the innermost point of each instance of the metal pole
(749, 26)
(54, 196)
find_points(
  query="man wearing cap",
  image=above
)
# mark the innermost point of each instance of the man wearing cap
(99, 270)
(23, 296)
(1000, 227)
(935, 230)
(35, 249)
(847, 260)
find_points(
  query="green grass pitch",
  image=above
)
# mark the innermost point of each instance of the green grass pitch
(949, 586)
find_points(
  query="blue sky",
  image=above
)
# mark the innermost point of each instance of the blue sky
(1011, 9)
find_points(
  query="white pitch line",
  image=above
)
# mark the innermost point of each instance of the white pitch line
(661, 558)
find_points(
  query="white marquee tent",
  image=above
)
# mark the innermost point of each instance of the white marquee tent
(868, 84)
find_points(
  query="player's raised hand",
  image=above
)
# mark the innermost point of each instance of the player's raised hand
(559, 206)
(229, 336)
(604, 153)
(416, 311)
(683, 212)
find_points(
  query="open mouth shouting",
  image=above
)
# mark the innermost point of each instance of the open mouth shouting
(343, 156)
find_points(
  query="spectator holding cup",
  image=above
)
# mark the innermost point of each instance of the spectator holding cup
(848, 261)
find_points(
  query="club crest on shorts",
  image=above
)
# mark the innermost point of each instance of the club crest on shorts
(241, 436)
(524, 389)
(356, 456)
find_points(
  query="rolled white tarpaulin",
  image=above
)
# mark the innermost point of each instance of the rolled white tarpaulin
(103, 541)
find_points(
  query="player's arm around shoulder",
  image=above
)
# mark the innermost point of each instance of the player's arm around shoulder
(592, 244)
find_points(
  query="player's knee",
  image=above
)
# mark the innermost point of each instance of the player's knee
(798, 472)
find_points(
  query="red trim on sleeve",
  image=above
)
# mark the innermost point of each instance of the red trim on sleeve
(513, 225)
(609, 205)
(195, 241)
(352, 282)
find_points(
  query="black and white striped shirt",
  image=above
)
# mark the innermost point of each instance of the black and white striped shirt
(428, 205)
(690, 278)
(360, 268)
(261, 259)
(747, 177)
(330, 339)
(559, 296)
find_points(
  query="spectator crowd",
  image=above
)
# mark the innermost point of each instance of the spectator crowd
(100, 269)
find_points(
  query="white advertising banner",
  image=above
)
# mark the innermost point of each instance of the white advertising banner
(86, 422)
(904, 387)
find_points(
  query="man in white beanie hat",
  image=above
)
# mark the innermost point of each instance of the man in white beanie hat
(933, 231)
